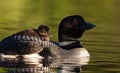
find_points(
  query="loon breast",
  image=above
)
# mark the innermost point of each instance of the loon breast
(75, 49)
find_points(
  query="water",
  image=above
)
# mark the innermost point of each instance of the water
(102, 42)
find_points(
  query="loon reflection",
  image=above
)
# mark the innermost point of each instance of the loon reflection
(43, 65)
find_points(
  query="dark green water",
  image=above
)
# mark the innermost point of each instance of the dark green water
(103, 42)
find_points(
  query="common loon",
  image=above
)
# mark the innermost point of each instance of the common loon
(69, 48)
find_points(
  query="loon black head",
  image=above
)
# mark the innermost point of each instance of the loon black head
(73, 27)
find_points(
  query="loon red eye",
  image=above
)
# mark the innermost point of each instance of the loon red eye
(74, 22)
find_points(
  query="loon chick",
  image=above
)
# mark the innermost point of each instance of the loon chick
(25, 42)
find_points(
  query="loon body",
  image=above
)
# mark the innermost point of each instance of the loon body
(18, 44)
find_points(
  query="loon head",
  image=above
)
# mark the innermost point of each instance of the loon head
(73, 27)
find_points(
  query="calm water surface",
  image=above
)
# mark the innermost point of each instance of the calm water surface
(103, 42)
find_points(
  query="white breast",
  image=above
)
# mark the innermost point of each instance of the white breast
(76, 52)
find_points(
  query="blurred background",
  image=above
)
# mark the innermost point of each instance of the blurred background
(103, 42)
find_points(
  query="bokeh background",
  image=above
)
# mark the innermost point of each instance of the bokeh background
(103, 42)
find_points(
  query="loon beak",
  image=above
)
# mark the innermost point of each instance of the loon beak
(86, 26)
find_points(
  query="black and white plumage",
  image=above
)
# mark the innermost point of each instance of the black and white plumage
(24, 42)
